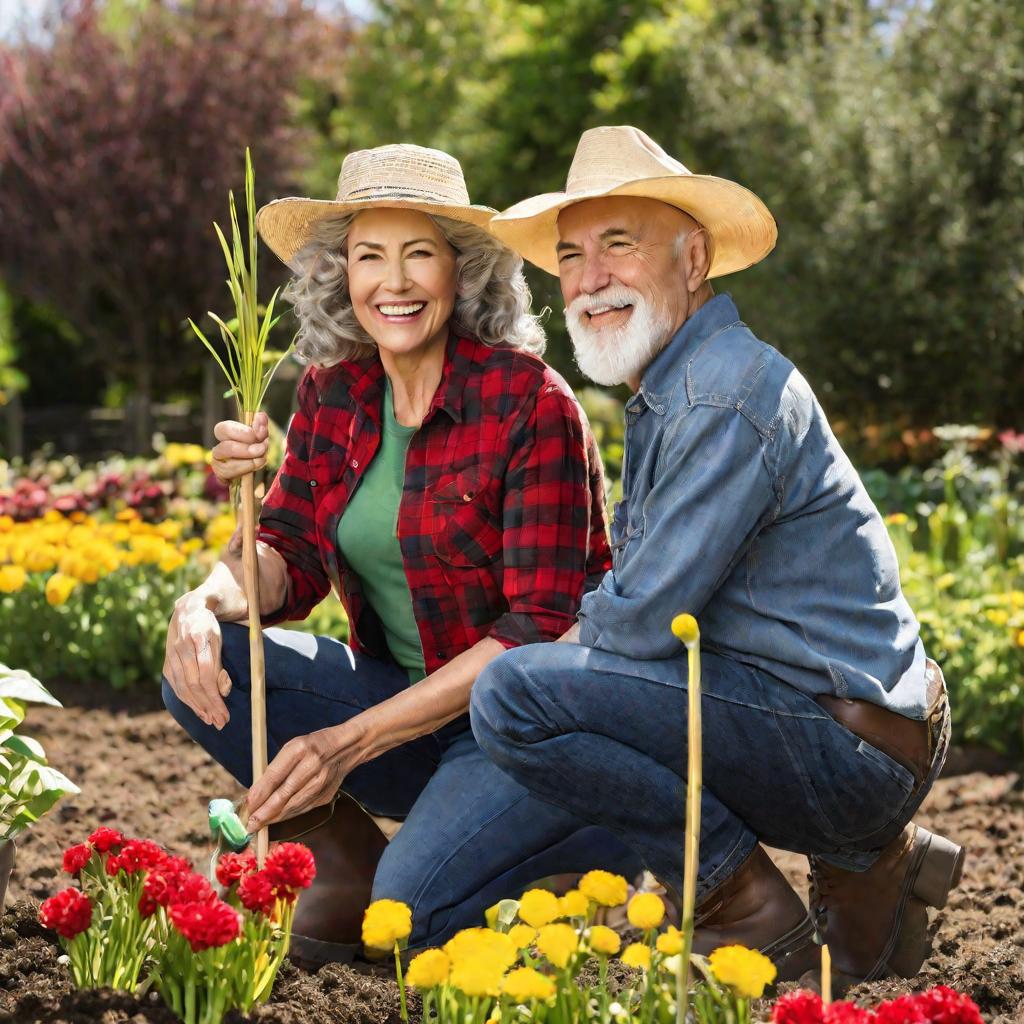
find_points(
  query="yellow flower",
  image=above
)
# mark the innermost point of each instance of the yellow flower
(603, 887)
(1017, 598)
(385, 923)
(59, 587)
(126, 515)
(192, 545)
(51, 515)
(604, 941)
(1019, 639)
(169, 529)
(219, 530)
(745, 971)
(645, 910)
(945, 581)
(172, 561)
(685, 629)
(6, 524)
(482, 944)
(538, 907)
(477, 976)
(574, 904)
(897, 519)
(428, 969)
(184, 454)
(522, 935)
(670, 941)
(558, 942)
(12, 578)
(637, 954)
(41, 558)
(997, 616)
(524, 984)
(76, 565)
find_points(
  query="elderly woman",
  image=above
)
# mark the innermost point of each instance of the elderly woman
(442, 478)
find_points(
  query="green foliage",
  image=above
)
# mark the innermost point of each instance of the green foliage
(29, 787)
(11, 380)
(887, 138)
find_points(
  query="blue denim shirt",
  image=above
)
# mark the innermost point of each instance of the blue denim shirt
(740, 507)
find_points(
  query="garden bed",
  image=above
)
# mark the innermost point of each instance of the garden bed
(140, 773)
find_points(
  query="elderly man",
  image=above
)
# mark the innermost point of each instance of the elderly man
(824, 723)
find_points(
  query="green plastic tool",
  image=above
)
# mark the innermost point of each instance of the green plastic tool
(226, 827)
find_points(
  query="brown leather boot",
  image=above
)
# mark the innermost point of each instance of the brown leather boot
(346, 845)
(876, 921)
(756, 907)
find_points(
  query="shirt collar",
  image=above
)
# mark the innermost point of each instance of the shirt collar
(366, 380)
(669, 366)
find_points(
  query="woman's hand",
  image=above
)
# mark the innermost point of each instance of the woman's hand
(192, 662)
(306, 773)
(241, 449)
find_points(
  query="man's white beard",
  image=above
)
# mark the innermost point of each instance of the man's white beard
(614, 355)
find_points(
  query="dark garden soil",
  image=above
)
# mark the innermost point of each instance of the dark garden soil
(139, 773)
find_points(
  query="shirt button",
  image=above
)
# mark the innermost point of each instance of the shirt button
(312, 483)
(468, 496)
(439, 655)
(355, 463)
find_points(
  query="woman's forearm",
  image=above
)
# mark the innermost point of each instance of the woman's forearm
(223, 591)
(424, 707)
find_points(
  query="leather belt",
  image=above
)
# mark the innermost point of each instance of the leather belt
(907, 741)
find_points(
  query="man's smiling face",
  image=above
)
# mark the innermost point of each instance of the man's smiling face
(622, 267)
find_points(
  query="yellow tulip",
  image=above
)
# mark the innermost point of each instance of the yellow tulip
(12, 578)
(59, 587)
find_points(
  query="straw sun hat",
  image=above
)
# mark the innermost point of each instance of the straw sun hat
(623, 161)
(403, 176)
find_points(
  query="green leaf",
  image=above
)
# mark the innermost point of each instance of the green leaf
(26, 747)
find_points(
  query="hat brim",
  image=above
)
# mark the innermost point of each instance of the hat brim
(287, 225)
(741, 226)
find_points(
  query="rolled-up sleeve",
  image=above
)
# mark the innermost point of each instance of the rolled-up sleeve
(287, 518)
(714, 490)
(546, 518)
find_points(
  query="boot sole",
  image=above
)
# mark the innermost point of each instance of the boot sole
(793, 953)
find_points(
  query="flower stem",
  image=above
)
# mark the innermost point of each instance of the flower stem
(401, 984)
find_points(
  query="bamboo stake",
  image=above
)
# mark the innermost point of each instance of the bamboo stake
(245, 340)
(686, 630)
(257, 670)
(826, 975)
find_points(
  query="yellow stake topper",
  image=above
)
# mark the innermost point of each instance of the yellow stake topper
(245, 341)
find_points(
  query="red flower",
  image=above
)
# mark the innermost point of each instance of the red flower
(232, 866)
(68, 913)
(206, 925)
(136, 855)
(257, 893)
(941, 1005)
(846, 1013)
(104, 839)
(173, 882)
(904, 1010)
(800, 1007)
(290, 867)
(76, 857)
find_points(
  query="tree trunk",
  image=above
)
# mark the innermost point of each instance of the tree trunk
(213, 401)
(139, 412)
(15, 416)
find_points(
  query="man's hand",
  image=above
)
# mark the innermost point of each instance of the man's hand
(192, 662)
(306, 773)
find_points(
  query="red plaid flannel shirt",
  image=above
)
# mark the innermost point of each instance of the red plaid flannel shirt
(501, 523)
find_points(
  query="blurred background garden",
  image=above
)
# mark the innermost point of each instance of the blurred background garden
(887, 137)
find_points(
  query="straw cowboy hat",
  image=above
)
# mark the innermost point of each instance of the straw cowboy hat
(623, 161)
(404, 176)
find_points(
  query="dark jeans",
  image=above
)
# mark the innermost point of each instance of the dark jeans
(471, 835)
(604, 737)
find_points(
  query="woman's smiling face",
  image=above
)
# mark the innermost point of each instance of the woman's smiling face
(401, 279)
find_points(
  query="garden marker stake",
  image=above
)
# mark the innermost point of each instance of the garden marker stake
(245, 340)
(687, 632)
(826, 975)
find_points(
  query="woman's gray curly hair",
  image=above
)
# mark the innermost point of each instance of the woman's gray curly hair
(492, 301)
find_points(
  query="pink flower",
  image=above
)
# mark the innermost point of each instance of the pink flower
(206, 925)
(257, 893)
(290, 867)
(68, 913)
(232, 866)
(104, 839)
(76, 857)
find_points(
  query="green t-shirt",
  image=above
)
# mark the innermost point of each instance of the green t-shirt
(368, 541)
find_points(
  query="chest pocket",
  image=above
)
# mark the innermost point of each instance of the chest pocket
(465, 511)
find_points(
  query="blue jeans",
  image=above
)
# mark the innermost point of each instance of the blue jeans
(471, 835)
(604, 737)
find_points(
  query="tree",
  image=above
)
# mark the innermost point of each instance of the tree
(118, 151)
